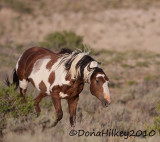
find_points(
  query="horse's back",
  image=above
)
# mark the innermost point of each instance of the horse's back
(29, 57)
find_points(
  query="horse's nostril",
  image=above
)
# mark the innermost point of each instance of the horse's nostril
(106, 104)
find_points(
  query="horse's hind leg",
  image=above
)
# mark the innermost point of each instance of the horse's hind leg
(23, 88)
(37, 101)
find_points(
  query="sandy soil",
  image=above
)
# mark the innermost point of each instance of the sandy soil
(121, 29)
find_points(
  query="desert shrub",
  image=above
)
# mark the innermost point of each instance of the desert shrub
(18, 6)
(11, 103)
(156, 125)
(150, 77)
(126, 98)
(126, 66)
(59, 40)
(47, 104)
(11, 106)
(131, 82)
(142, 64)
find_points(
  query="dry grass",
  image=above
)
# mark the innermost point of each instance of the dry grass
(133, 102)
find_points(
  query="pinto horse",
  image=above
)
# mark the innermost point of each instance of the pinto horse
(60, 75)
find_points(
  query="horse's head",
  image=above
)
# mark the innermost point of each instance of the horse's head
(99, 86)
(87, 69)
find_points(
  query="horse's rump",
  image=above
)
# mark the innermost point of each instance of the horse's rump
(28, 59)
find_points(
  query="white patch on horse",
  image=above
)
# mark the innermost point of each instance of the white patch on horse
(37, 65)
(75, 72)
(100, 75)
(106, 90)
(40, 73)
(23, 84)
(62, 95)
(87, 73)
(93, 64)
(60, 74)
(18, 62)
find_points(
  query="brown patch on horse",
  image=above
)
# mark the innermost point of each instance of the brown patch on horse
(35, 57)
(50, 63)
(30, 56)
(68, 76)
(51, 77)
(22, 64)
(42, 86)
(75, 89)
(72, 90)
(97, 90)
(31, 80)
(102, 79)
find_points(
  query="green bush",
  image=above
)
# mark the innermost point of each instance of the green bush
(11, 103)
(11, 106)
(59, 40)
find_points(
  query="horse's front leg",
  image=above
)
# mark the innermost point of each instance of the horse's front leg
(57, 104)
(72, 104)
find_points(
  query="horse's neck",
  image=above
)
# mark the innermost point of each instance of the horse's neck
(74, 73)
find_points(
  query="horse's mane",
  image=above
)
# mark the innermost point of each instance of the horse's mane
(65, 51)
(83, 63)
(75, 61)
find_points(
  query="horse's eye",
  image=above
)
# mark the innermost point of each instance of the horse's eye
(97, 81)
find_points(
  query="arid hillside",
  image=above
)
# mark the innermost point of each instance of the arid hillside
(118, 24)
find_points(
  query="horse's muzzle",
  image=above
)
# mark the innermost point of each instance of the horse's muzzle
(105, 103)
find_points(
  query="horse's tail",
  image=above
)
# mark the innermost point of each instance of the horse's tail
(15, 80)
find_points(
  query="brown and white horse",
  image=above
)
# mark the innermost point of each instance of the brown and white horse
(62, 76)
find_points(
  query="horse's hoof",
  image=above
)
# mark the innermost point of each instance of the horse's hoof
(53, 125)
(37, 114)
(73, 126)
(37, 109)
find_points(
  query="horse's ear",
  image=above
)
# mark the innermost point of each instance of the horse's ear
(93, 65)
